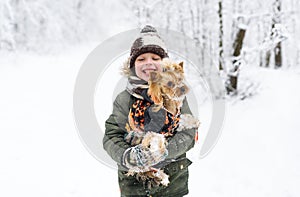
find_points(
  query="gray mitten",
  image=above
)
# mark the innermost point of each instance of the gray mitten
(139, 156)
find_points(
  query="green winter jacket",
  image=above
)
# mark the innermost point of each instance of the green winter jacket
(178, 145)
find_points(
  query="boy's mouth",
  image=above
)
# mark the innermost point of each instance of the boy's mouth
(148, 70)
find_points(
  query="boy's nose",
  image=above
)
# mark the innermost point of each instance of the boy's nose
(149, 61)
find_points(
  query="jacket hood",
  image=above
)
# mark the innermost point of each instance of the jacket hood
(126, 70)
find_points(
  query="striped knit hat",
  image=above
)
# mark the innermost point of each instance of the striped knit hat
(148, 42)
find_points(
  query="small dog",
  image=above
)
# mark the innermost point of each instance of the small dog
(167, 90)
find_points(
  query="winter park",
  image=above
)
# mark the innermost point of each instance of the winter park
(251, 48)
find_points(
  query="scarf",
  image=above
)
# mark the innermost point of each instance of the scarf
(135, 86)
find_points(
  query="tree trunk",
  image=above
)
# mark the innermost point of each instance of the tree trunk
(268, 58)
(232, 82)
(221, 59)
(278, 49)
(277, 52)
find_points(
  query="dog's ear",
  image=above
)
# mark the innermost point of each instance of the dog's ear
(181, 64)
(154, 76)
(155, 93)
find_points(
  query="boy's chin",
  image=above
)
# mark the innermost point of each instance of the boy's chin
(145, 77)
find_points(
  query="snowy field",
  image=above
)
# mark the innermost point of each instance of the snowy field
(258, 153)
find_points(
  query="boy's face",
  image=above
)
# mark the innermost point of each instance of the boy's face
(145, 63)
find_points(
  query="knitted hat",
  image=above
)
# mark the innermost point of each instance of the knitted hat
(148, 42)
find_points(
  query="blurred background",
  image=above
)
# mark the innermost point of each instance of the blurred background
(233, 32)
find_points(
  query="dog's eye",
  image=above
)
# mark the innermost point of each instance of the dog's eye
(170, 84)
(182, 89)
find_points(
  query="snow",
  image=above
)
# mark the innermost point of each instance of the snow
(258, 153)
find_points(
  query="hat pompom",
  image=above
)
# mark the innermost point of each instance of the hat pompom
(148, 29)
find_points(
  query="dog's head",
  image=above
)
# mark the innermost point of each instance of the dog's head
(172, 66)
(168, 85)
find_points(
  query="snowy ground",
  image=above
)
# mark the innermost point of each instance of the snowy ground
(258, 153)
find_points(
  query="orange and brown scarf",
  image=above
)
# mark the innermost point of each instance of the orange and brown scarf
(140, 116)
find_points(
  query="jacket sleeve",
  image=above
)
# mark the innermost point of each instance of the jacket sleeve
(182, 141)
(113, 141)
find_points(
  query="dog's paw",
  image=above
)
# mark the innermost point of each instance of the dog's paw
(134, 137)
(187, 121)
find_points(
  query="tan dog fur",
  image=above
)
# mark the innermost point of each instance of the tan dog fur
(167, 89)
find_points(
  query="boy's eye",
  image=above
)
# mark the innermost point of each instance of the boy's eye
(140, 59)
(156, 58)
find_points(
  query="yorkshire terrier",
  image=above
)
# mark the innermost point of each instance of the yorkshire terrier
(167, 90)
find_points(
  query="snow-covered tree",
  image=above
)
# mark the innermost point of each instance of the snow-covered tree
(217, 27)
(44, 24)
(221, 50)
